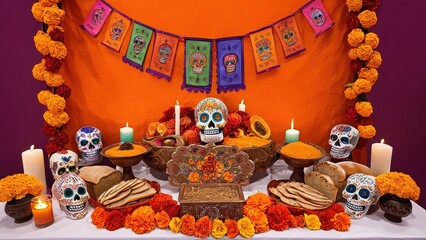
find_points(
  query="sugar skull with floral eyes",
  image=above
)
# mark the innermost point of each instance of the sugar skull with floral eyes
(210, 116)
(65, 161)
(230, 61)
(89, 142)
(317, 16)
(263, 49)
(164, 52)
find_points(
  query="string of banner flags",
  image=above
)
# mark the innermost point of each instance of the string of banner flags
(198, 51)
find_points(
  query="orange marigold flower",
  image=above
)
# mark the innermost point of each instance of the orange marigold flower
(367, 131)
(399, 184)
(42, 41)
(98, 217)
(259, 219)
(187, 224)
(38, 70)
(341, 221)
(162, 219)
(142, 220)
(258, 201)
(362, 86)
(375, 60)
(354, 5)
(57, 50)
(43, 96)
(56, 104)
(56, 120)
(53, 79)
(356, 37)
(352, 54)
(364, 108)
(203, 227)
(372, 39)
(364, 52)
(370, 74)
(159, 201)
(232, 227)
(53, 15)
(18, 185)
(300, 221)
(277, 217)
(350, 93)
(37, 10)
(367, 18)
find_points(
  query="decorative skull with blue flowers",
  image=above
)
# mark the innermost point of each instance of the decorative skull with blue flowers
(65, 161)
(89, 142)
(360, 193)
(211, 115)
(71, 192)
(343, 139)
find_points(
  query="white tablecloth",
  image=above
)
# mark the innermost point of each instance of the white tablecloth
(373, 226)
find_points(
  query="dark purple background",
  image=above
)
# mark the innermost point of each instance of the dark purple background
(397, 97)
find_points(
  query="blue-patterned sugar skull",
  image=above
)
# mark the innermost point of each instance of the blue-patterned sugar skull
(89, 142)
(211, 115)
(360, 193)
(343, 139)
(65, 161)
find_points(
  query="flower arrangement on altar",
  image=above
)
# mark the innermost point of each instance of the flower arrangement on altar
(50, 43)
(398, 184)
(364, 61)
(261, 214)
(19, 185)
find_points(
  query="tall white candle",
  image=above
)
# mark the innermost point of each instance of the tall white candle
(242, 106)
(177, 118)
(292, 135)
(381, 157)
(33, 163)
(126, 133)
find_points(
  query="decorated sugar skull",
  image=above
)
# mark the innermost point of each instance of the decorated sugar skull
(89, 142)
(138, 44)
(230, 61)
(164, 53)
(317, 16)
(210, 116)
(343, 138)
(71, 192)
(360, 193)
(117, 29)
(98, 16)
(198, 61)
(289, 36)
(263, 48)
(62, 162)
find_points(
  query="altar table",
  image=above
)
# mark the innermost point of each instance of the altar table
(373, 226)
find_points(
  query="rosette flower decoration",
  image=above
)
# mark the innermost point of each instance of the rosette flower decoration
(50, 43)
(364, 63)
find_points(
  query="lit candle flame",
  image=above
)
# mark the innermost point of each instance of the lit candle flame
(127, 124)
(292, 123)
(177, 102)
(383, 141)
(242, 101)
(32, 147)
(40, 204)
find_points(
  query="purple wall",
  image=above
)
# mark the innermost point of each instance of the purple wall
(396, 97)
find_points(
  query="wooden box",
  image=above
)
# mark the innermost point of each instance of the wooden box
(223, 200)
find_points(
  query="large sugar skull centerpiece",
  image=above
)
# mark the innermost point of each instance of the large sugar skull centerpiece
(71, 192)
(360, 193)
(263, 49)
(89, 141)
(230, 61)
(343, 138)
(198, 61)
(210, 116)
(138, 44)
(317, 16)
(62, 162)
(164, 52)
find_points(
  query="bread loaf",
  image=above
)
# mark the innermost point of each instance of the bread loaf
(336, 172)
(322, 183)
(354, 167)
(99, 179)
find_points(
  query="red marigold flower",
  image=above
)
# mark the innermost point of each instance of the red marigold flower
(52, 64)
(352, 21)
(114, 220)
(63, 91)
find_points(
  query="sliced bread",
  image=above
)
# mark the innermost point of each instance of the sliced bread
(322, 183)
(335, 171)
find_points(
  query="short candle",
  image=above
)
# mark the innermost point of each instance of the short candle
(242, 106)
(126, 133)
(41, 207)
(292, 135)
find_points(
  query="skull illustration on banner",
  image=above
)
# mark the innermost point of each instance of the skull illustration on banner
(264, 50)
(317, 16)
(230, 65)
(211, 115)
(138, 45)
(96, 18)
(289, 36)
(163, 55)
(198, 54)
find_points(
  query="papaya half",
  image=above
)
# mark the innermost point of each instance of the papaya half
(259, 127)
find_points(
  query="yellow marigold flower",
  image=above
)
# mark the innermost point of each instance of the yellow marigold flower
(53, 15)
(38, 70)
(362, 85)
(57, 50)
(350, 93)
(375, 60)
(364, 108)
(43, 96)
(370, 74)
(246, 227)
(354, 5)
(175, 224)
(399, 184)
(53, 79)
(219, 229)
(37, 10)
(352, 54)
(312, 222)
(56, 120)
(367, 18)
(41, 41)
(56, 104)
(364, 52)
(356, 37)
(367, 131)
(372, 39)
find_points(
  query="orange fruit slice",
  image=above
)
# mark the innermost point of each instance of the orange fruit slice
(161, 129)
(152, 129)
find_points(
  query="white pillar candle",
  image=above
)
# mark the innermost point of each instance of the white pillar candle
(242, 106)
(126, 133)
(33, 163)
(177, 118)
(292, 135)
(381, 157)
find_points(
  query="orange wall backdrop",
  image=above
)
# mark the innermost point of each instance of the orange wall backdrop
(107, 93)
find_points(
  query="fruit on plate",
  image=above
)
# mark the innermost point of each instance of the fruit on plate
(152, 129)
(259, 127)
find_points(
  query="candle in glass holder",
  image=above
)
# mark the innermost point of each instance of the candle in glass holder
(41, 207)
(292, 135)
(33, 163)
(242, 106)
(177, 118)
(126, 133)
(381, 156)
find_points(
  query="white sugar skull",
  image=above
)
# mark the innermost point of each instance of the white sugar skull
(317, 16)
(138, 44)
(210, 116)
(198, 61)
(343, 138)
(89, 141)
(360, 193)
(71, 192)
(164, 52)
(230, 61)
(65, 161)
